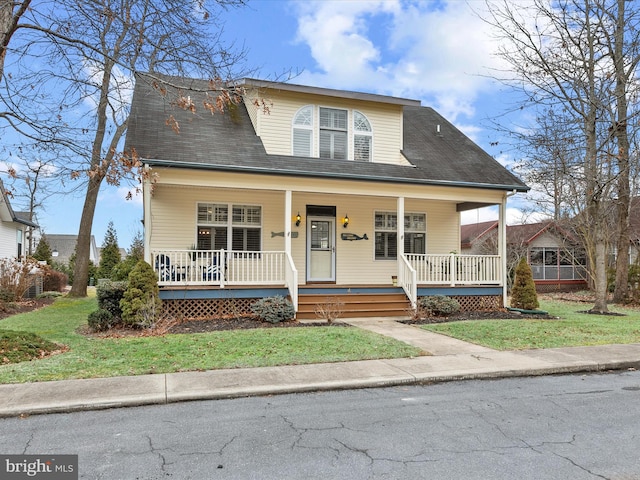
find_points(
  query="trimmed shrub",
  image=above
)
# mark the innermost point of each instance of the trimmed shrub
(53, 280)
(100, 320)
(109, 295)
(438, 305)
(523, 292)
(274, 309)
(141, 305)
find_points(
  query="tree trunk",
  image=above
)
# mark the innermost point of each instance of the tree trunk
(83, 247)
(623, 185)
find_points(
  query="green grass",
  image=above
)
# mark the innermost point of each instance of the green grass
(570, 330)
(91, 357)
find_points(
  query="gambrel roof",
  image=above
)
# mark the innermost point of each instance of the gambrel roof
(438, 152)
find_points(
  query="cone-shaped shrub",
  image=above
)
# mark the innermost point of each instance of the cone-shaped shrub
(523, 292)
(141, 305)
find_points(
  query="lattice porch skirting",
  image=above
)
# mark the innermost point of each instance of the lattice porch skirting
(212, 308)
(207, 308)
(479, 303)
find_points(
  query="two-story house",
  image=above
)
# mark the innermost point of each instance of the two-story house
(311, 193)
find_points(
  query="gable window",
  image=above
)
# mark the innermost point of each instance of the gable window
(216, 229)
(362, 138)
(333, 133)
(386, 234)
(303, 132)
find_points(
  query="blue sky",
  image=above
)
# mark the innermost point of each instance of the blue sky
(438, 52)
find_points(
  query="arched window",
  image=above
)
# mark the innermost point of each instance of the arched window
(302, 132)
(362, 137)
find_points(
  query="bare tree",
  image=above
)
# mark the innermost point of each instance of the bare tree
(10, 13)
(88, 58)
(559, 55)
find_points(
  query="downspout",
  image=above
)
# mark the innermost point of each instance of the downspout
(146, 214)
(502, 232)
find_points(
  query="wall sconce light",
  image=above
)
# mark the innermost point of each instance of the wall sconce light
(345, 221)
(298, 219)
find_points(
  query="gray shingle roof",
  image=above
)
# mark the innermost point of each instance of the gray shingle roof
(229, 142)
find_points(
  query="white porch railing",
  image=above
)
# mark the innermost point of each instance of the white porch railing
(407, 279)
(291, 280)
(453, 269)
(220, 267)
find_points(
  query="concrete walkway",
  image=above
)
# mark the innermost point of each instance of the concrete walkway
(445, 359)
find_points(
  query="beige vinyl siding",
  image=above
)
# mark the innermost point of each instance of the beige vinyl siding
(274, 126)
(252, 96)
(548, 240)
(248, 183)
(174, 215)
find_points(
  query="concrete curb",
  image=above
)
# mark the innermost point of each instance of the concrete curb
(116, 392)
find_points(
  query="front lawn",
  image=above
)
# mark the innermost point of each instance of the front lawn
(90, 357)
(571, 329)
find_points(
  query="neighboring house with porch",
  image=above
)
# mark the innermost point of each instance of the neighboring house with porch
(297, 191)
(556, 257)
(14, 228)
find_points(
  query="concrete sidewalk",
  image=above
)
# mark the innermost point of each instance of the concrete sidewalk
(449, 359)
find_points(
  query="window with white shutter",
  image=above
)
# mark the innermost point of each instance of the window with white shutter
(302, 132)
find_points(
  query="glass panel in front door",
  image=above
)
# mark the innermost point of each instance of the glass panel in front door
(321, 250)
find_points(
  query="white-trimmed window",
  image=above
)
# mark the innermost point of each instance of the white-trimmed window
(386, 234)
(302, 132)
(333, 133)
(362, 137)
(335, 137)
(217, 229)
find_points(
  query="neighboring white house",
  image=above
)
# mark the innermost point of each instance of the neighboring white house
(13, 228)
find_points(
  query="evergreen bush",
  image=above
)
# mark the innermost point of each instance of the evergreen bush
(141, 305)
(109, 295)
(101, 320)
(523, 292)
(437, 306)
(274, 309)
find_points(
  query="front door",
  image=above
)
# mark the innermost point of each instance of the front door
(321, 251)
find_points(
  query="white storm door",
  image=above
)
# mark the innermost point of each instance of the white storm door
(321, 251)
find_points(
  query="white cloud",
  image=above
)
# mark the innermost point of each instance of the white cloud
(435, 51)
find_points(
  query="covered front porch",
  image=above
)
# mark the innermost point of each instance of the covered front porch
(417, 274)
(257, 238)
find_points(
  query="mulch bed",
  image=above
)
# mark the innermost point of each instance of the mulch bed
(25, 306)
(242, 323)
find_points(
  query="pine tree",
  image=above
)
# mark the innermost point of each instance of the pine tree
(43, 251)
(110, 253)
(136, 253)
(523, 292)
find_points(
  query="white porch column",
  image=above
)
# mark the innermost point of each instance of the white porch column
(287, 222)
(502, 246)
(400, 227)
(146, 215)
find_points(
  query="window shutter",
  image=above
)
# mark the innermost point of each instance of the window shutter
(302, 142)
(361, 148)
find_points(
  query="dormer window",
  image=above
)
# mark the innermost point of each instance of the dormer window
(362, 137)
(303, 132)
(338, 135)
(333, 133)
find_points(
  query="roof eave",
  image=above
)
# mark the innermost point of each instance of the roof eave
(291, 87)
(359, 177)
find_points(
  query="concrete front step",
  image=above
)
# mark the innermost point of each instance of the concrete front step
(353, 305)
